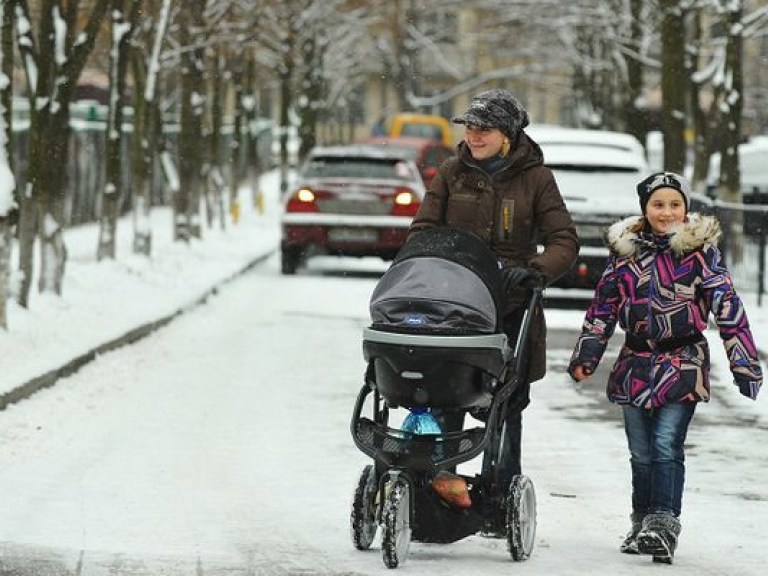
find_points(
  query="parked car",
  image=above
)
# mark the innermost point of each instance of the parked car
(753, 165)
(597, 172)
(355, 200)
(426, 152)
(753, 168)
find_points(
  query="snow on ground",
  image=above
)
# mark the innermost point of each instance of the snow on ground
(574, 454)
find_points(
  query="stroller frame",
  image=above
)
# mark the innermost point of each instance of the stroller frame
(391, 493)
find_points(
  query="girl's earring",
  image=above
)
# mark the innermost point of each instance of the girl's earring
(505, 145)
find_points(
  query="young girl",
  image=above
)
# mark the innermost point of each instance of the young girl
(663, 279)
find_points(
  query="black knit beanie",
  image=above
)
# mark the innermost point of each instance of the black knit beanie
(663, 180)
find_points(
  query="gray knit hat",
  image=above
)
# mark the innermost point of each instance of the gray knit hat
(496, 108)
(663, 180)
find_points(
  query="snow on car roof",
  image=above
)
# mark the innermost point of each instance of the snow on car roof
(577, 147)
(359, 151)
(552, 133)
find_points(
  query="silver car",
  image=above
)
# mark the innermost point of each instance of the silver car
(597, 172)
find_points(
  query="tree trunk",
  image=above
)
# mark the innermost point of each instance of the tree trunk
(252, 137)
(635, 120)
(285, 104)
(730, 174)
(237, 145)
(6, 239)
(7, 184)
(401, 54)
(187, 201)
(26, 233)
(110, 199)
(148, 131)
(212, 173)
(142, 162)
(673, 86)
(699, 116)
(313, 85)
(52, 153)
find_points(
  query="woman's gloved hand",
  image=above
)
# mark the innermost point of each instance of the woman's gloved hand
(525, 277)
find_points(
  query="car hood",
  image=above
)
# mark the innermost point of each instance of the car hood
(599, 193)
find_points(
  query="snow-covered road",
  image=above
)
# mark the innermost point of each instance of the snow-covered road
(221, 445)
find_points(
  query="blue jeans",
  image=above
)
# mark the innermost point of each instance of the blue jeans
(655, 438)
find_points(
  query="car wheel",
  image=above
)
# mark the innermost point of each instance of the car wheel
(290, 260)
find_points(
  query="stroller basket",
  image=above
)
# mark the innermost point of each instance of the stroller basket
(424, 453)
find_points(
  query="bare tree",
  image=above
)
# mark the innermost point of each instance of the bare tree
(732, 103)
(147, 120)
(212, 171)
(703, 119)
(635, 119)
(53, 60)
(7, 184)
(124, 15)
(187, 202)
(673, 84)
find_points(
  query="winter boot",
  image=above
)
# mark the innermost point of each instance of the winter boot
(658, 537)
(629, 546)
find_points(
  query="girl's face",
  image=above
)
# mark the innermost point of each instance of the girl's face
(665, 207)
(483, 142)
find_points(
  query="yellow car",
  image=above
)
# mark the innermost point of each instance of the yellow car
(424, 126)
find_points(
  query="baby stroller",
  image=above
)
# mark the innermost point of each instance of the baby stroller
(435, 343)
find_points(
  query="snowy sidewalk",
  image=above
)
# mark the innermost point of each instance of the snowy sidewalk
(111, 303)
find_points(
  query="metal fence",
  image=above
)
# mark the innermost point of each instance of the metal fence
(743, 244)
(84, 180)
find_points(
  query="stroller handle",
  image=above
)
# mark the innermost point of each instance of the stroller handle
(520, 355)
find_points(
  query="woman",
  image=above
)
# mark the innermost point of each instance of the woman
(498, 187)
(663, 279)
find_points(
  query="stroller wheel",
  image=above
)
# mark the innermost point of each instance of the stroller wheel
(521, 518)
(363, 517)
(396, 522)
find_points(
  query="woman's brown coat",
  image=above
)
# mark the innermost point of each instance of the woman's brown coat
(514, 210)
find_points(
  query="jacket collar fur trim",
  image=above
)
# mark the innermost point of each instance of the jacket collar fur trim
(699, 230)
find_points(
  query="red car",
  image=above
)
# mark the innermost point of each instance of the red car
(426, 152)
(355, 200)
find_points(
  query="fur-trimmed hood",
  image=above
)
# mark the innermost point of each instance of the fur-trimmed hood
(698, 231)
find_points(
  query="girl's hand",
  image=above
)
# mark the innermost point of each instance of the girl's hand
(580, 373)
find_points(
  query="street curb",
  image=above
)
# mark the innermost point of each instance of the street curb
(50, 378)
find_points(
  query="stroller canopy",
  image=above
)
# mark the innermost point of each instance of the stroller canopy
(443, 281)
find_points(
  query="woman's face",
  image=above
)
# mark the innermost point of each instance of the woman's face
(483, 142)
(665, 207)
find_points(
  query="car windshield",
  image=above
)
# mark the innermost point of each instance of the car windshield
(404, 151)
(591, 158)
(422, 131)
(351, 167)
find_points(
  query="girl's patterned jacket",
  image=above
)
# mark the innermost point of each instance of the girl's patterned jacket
(661, 290)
